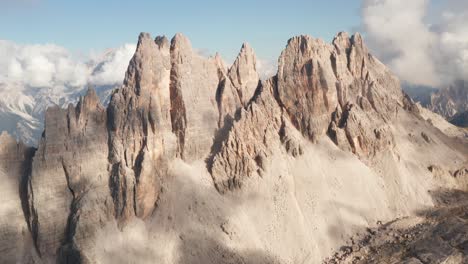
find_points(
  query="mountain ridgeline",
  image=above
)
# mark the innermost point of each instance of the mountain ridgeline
(212, 160)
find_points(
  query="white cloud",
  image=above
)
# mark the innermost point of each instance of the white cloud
(111, 69)
(52, 66)
(422, 50)
(266, 68)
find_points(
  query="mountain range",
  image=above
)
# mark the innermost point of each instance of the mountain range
(195, 162)
(450, 102)
(26, 93)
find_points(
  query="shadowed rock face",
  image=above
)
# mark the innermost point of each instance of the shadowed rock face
(96, 165)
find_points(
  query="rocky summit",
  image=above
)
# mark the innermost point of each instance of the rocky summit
(196, 162)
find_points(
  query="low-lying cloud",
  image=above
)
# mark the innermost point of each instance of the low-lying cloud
(422, 44)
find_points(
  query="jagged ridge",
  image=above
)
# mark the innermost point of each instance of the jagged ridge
(94, 165)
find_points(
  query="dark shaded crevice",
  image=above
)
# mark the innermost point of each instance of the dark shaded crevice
(135, 198)
(67, 177)
(27, 197)
(256, 93)
(151, 118)
(220, 137)
(218, 97)
(178, 111)
(333, 64)
(67, 252)
(119, 189)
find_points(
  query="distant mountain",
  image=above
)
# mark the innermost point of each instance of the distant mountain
(23, 103)
(421, 94)
(450, 102)
(460, 119)
(22, 112)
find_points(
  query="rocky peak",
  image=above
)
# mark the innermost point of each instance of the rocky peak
(181, 49)
(243, 73)
(140, 71)
(342, 42)
(306, 84)
(90, 102)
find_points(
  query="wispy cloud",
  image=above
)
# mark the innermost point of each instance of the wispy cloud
(421, 49)
(266, 68)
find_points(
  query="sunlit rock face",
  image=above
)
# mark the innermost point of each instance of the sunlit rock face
(185, 140)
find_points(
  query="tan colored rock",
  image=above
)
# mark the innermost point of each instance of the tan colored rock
(243, 74)
(237, 87)
(69, 179)
(195, 116)
(306, 85)
(140, 130)
(16, 244)
(250, 142)
(227, 97)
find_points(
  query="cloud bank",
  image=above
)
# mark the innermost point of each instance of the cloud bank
(52, 66)
(424, 45)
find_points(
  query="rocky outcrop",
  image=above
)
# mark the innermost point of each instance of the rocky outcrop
(69, 179)
(243, 74)
(140, 136)
(194, 81)
(337, 89)
(237, 86)
(251, 140)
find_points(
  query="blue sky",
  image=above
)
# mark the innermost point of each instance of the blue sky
(211, 25)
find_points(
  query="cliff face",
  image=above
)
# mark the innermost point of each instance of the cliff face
(331, 108)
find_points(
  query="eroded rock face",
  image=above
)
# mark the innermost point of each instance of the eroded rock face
(194, 81)
(340, 88)
(243, 74)
(306, 84)
(69, 179)
(140, 134)
(250, 141)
